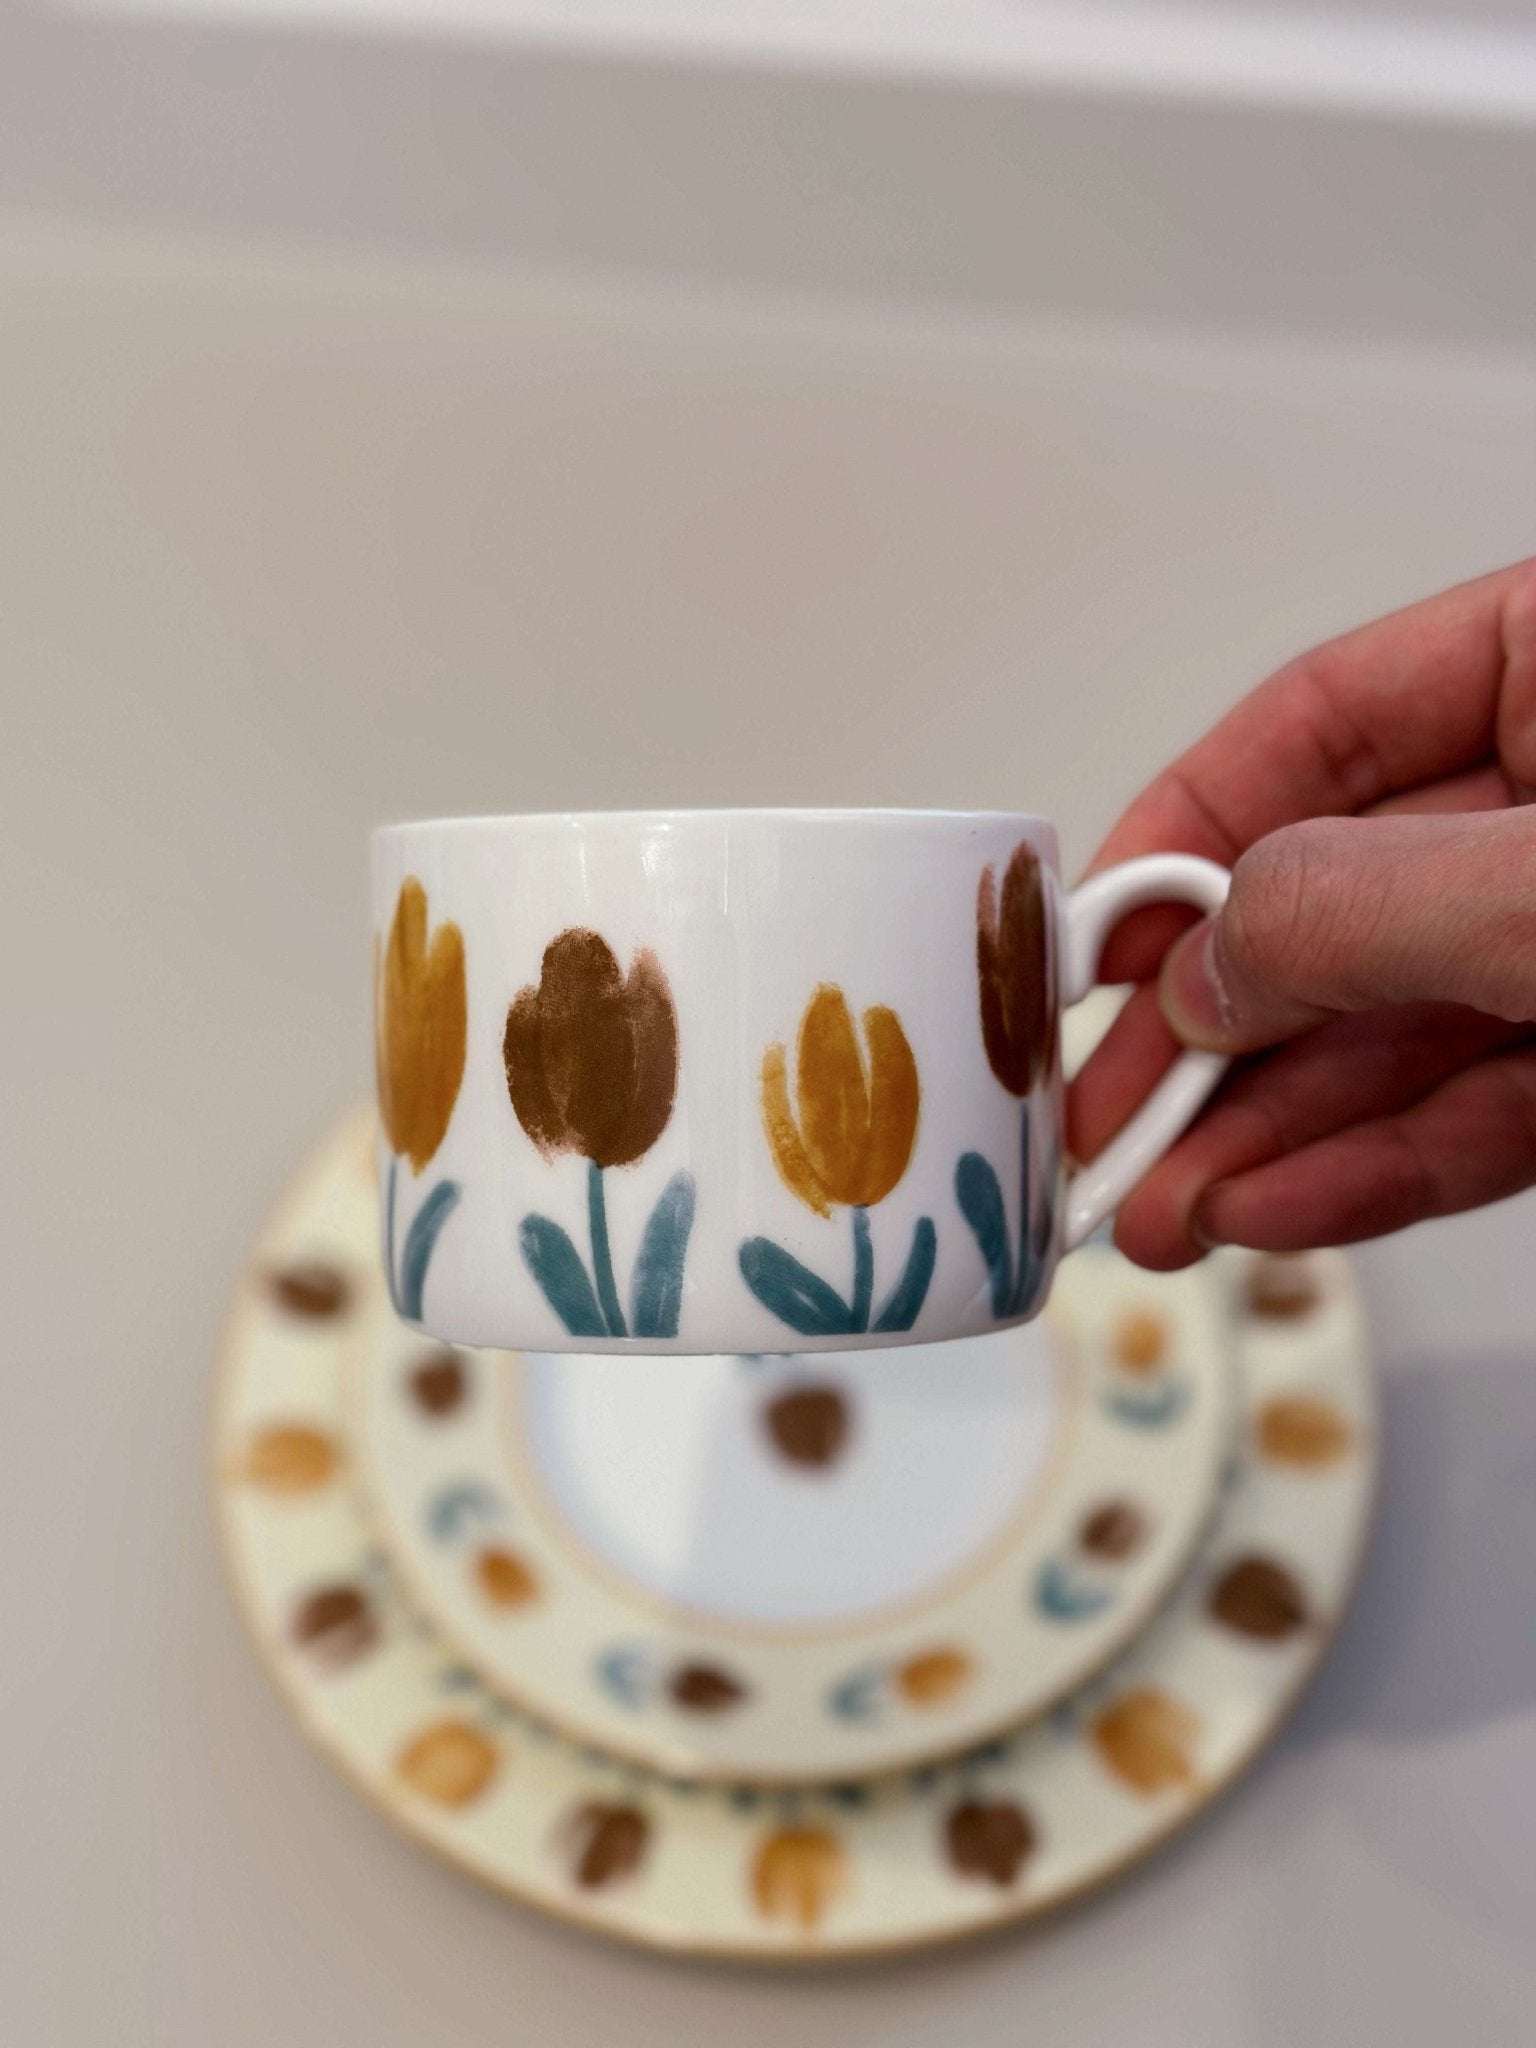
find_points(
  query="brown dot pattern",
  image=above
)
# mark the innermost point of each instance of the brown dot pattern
(798, 1874)
(1114, 1531)
(290, 1458)
(1300, 1429)
(808, 1426)
(989, 1839)
(605, 1843)
(1260, 1598)
(1147, 1740)
(439, 1385)
(933, 1677)
(1282, 1287)
(1140, 1341)
(705, 1689)
(449, 1763)
(335, 1625)
(312, 1289)
(504, 1579)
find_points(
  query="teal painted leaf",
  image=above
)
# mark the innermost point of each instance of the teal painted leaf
(657, 1285)
(981, 1203)
(1154, 1409)
(857, 1697)
(1065, 1597)
(556, 1264)
(458, 1505)
(627, 1673)
(420, 1239)
(906, 1298)
(793, 1292)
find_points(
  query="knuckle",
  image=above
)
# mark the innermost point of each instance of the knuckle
(1494, 953)
(1283, 925)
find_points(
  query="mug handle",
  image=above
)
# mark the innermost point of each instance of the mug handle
(1092, 912)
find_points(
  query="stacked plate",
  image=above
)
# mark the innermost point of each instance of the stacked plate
(793, 1657)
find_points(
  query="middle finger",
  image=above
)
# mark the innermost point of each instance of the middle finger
(1369, 1065)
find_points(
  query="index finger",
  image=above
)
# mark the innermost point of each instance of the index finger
(1426, 693)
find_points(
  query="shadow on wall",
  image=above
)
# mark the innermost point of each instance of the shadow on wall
(1440, 1642)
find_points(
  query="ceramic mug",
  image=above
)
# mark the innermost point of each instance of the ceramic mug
(741, 1081)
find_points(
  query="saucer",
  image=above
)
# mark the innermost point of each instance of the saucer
(782, 1569)
(1004, 1831)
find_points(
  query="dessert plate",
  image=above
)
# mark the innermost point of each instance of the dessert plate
(1004, 1831)
(782, 1569)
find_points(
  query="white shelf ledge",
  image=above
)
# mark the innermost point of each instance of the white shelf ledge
(1428, 59)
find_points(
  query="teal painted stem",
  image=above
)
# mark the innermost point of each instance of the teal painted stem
(863, 1273)
(420, 1242)
(1024, 1269)
(602, 1257)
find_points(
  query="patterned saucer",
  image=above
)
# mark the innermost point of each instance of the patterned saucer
(788, 1569)
(1002, 1832)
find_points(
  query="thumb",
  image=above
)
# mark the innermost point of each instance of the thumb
(1351, 913)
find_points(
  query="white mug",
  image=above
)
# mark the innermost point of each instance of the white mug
(741, 1081)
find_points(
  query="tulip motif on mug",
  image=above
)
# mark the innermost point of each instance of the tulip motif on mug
(591, 1064)
(420, 1034)
(848, 1147)
(1019, 1031)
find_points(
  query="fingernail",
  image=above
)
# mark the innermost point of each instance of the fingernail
(1191, 993)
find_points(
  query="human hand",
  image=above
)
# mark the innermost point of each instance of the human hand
(1376, 962)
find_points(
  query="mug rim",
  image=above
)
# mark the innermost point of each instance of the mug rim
(852, 815)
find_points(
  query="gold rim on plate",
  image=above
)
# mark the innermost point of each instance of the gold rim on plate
(1117, 1509)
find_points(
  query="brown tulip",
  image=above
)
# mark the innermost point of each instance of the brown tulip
(591, 1055)
(857, 1115)
(1013, 968)
(421, 1026)
(799, 1872)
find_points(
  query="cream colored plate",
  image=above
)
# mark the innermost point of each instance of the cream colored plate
(786, 1569)
(921, 1857)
